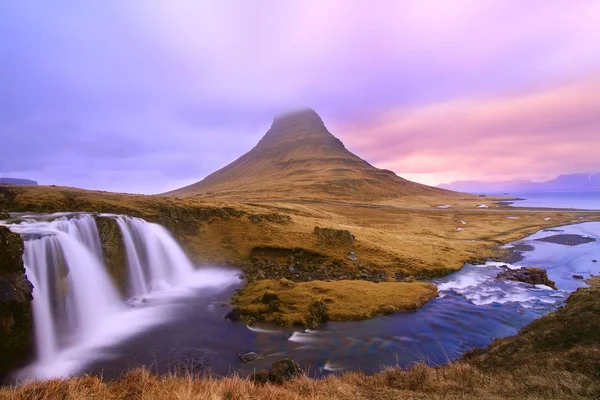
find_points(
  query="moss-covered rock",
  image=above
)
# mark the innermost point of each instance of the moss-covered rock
(16, 327)
(284, 370)
(113, 249)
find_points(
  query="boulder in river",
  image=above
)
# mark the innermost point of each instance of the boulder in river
(531, 275)
(577, 276)
(249, 356)
(235, 314)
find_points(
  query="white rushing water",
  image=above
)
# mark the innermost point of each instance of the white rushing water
(77, 308)
(155, 260)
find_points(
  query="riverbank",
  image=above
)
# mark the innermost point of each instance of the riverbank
(305, 242)
(553, 357)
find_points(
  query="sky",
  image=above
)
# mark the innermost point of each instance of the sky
(145, 96)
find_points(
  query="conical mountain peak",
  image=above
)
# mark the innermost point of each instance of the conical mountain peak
(300, 128)
(298, 158)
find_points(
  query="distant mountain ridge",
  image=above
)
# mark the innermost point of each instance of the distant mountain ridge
(298, 158)
(589, 181)
(15, 181)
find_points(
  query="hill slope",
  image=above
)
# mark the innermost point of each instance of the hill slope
(15, 181)
(298, 158)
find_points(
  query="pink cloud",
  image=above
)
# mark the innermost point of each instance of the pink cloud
(533, 135)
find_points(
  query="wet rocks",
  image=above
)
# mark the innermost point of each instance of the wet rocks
(577, 276)
(334, 236)
(531, 275)
(235, 314)
(16, 325)
(4, 215)
(249, 356)
(113, 249)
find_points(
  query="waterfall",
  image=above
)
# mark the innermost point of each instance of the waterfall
(155, 260)
(74, 298)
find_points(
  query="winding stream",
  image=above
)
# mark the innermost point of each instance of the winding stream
(174, 317)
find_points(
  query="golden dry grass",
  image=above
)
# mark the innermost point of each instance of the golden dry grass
(345, 300)
(415, 241)
(455, 381)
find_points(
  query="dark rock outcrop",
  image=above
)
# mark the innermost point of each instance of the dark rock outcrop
(533, 276)
(235, 314)
(16, 327)
(4, 215)
(113, 249)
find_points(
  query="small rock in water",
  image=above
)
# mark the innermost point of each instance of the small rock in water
(234, 314)
(249, 356)
(533, 276)
(577, 276)
(594, 260)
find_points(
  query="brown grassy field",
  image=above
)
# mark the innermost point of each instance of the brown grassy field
(555, 357)
(275, 240)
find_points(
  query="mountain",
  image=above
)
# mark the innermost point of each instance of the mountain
(567, 183)
(15, 181)
(298, 158)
